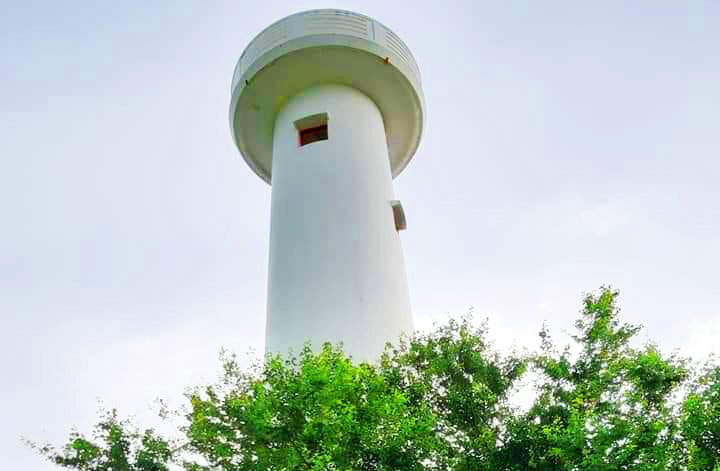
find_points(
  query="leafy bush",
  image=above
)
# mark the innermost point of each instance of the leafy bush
(438, 401)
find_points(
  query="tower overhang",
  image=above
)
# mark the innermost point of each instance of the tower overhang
(325, 47)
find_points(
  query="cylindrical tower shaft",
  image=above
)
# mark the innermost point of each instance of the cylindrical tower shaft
(336, 264)
(327, 106)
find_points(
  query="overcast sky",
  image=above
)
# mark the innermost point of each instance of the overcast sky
(567, 146)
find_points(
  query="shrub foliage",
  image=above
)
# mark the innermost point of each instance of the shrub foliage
(438, 401)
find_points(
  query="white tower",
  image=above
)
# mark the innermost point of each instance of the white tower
(327, 106)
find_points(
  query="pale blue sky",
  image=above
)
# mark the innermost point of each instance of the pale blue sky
(568, 144)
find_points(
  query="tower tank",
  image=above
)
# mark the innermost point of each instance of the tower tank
(327, 107)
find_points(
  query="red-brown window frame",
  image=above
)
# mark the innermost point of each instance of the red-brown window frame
(314, 134)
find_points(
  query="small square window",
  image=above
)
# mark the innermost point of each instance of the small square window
(312, 128)
(310, 135)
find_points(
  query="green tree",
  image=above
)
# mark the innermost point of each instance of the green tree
(315, 411)
(701, 422)
(467, 386)
(114, 445)
(438, 401)
(606, 407)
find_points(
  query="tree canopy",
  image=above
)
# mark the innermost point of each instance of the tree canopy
(438, 401)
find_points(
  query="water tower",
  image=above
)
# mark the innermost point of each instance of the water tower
(328, 108)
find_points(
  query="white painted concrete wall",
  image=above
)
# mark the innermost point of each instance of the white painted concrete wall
(336, 264)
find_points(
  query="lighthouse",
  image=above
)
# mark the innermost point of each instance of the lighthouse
(327, 107)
